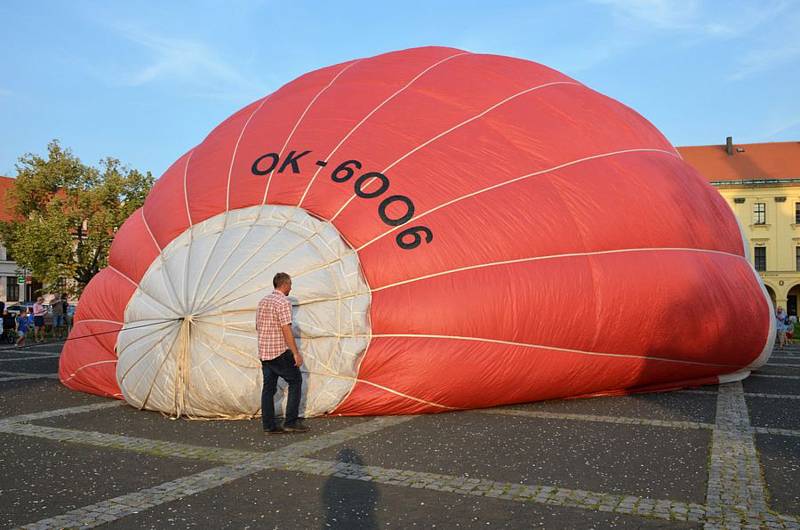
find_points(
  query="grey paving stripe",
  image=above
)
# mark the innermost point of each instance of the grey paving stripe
(735, 483)
(38, 357)
(603, 419)
(4, 422)
(790, 365)
(779, 432)
(291, 458)
(551, 495)
(14, 376)
(240, 464)
(179, 450)
(772, 396)
(124, 505)
(29, 376)
(776, 376)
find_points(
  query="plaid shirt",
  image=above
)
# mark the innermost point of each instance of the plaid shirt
(274, 311)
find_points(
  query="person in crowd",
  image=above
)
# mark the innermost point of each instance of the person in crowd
(780, 327)
(790, 323)
(23, 325)
(9, 326)
(58, 316)
(38, 319)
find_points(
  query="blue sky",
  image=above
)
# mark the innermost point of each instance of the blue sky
(145, 81)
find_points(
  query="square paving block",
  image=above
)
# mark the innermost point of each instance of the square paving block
(669, 406)
(779, 370)
(288, 500)
(775, 413)
(236, 434)
(657, 462)
(29, 365)
(42, 478)
(780, 458)
(769, 385)
(37, 395)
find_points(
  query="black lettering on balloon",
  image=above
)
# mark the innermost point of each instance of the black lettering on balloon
(414, 232)
(272, 156)
(359, 185)
(291, 159)
(343, 171)
(403, 218)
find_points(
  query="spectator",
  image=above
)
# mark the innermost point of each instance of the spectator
(22, 327)
(38, 319)
(9, 326)
(790, 323)
(780, 327)
(58, 316)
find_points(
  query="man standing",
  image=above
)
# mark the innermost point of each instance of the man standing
(279, 356)
(38, 319)
(58, 316)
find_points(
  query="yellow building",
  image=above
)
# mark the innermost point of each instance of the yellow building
(761, 183)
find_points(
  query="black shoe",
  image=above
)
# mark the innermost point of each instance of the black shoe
(275, 430)
(297, 426)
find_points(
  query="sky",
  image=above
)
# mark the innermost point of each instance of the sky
(146, 81)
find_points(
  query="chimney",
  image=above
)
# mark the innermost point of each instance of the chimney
(729, 145)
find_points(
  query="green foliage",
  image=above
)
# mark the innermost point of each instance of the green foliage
(68, 213)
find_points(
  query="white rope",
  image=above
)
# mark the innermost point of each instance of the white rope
(511, 181)
(163, 263)
(185, 190)
(545, 347)
(142, 356)
(236, 148)
(369, 115)
(300, 119)
(451, 129)
(141, 289)
(556, 256)
(73, 374)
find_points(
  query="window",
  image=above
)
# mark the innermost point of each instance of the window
(12, 288)
(760, 254)
(797, 214)
(797, 259)
(760, 213)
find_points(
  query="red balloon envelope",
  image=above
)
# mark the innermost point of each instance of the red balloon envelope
(463, 230)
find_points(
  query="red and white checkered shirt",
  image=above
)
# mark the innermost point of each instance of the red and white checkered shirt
(274, 311)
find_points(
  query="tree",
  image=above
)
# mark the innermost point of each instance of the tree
(68, 213)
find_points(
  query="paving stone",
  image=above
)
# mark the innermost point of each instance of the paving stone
(29, 396)
(776, 413)
(274, 499)
(42, 478)
(768, 385)
(600, 457)
(242, 434)
(658, 406)
(780, 457)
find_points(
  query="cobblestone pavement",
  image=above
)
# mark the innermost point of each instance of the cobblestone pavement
(715, 457)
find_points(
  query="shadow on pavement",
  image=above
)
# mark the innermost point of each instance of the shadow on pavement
(350, 503)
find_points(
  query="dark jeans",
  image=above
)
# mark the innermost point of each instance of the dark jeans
(281, 366)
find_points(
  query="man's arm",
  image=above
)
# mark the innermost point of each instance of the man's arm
(286, 329)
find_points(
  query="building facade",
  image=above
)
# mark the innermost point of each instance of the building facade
(761, 183)
(10, 290)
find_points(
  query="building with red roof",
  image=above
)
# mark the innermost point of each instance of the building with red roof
(761, 182)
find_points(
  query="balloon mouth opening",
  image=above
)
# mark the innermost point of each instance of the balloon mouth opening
(189, 347)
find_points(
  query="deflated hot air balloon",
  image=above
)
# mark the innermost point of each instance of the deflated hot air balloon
(463, 230)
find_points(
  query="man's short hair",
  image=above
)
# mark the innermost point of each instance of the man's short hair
(280, 279)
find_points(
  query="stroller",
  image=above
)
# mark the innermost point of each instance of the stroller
(9, 329)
